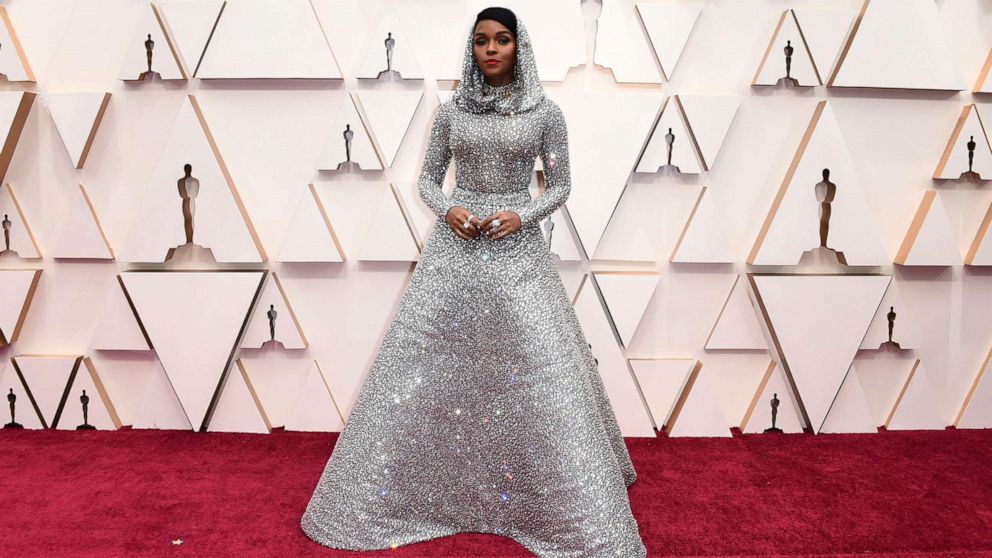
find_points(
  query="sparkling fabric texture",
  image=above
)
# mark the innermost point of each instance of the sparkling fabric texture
(483, 410)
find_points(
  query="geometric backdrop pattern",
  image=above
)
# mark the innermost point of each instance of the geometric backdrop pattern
(775, 211)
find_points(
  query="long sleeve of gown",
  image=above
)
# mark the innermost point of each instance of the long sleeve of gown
(436, 162)
(557, 175)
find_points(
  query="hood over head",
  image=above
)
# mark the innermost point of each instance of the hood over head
(475, 95)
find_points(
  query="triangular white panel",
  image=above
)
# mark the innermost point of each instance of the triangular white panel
(160, 408)
(703, 238)
(759, 416)
(984, 83)
(278, 39)
(899, 44)
(401, 54)
(315, 409)
(338, 148)
(883, 376)
(287, 328)
(117, 328)
(15, 106)
(625, 397)
(818, 322)
(77, 117)
(18, 287)
(421, 216)
(276, 377)
(626, 237)
(389, 237)
(969, 140)
(24, 413)
(220, 222)
(792, 225)
(239, 409)
(47, 377)
(802, 67)
(100, 410)
(737, 327)
(825, 32)
(709, 118)
(193, 319)
(13, 63)
(627, 295)
(22, 240)
(697, 412)
(849, 411)
(980, 252)
(190, 25)
(623, 46)
(668, 28)
(916, 408)
(389, 112)
(661, 381)
(596, 188)
(564, 243)
(929, 240)
(81, 235)
(311, 237)
(164, 59)
(904, 328)
(976, 411)
(684, 154)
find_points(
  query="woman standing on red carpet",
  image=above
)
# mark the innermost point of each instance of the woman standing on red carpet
(484, 410)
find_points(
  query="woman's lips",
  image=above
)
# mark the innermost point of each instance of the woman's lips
(492, 62)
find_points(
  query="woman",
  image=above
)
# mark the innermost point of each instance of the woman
(484, 410)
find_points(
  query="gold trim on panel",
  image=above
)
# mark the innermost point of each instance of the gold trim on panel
(757, 395)
(14, 134)
(984, 74)
(17, 44)
(254, 395)
(228, 178)
(93, 129)
(683, 397)
(28, 297)
(168, 40)
(688, 223)
(847, 43)
(289, 307)
(983, 230)
(787, 181)
(327, 221)
(974, 387)
(102, 391)
(66, 390)
(212, 405)
(952, 141)
(24, 221)
(27, 390)
(323, 379)
(902, 392)
(914, 228)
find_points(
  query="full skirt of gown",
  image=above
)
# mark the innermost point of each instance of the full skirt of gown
(483, 411)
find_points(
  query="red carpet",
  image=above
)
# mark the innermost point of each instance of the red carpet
(132, 492)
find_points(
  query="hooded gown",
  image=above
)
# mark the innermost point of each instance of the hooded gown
(484, 410)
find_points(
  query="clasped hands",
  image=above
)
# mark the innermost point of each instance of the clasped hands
(509, 222)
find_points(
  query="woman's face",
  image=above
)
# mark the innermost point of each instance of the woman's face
(495, 51)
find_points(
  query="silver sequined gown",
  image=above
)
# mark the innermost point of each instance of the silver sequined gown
(484, 410)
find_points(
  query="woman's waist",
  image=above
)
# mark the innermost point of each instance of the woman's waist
(466, 193)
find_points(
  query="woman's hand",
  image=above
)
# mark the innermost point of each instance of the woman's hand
(509, 222)
(456, 217)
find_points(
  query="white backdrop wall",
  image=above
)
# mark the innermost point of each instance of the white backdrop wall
(271, 132)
